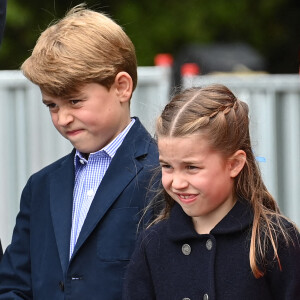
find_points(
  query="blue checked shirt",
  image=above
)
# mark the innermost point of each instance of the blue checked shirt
(88, 176)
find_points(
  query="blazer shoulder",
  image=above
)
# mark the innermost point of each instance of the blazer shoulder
(67, 159)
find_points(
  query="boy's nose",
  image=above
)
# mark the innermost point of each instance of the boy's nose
(64, 117)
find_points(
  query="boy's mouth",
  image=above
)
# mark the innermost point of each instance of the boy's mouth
(73, 132)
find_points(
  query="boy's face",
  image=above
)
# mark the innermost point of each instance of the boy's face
(91, 119)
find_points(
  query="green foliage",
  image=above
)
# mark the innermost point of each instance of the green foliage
(156, 26)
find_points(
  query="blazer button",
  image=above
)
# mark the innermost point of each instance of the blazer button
(205, 297)
(186, 299)
(61, 286)
(186, 249)
(209, 244)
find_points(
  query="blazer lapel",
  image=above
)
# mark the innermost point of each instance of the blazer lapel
(126, 168)
(61, 199)
(125, 165)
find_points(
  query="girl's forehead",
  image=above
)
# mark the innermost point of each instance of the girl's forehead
(187, 139)
(192, 146)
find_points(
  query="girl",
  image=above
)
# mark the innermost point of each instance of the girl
(221, 234)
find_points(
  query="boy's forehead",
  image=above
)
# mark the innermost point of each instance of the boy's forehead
(64, 95)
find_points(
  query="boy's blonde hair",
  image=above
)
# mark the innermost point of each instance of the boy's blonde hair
(83, 47)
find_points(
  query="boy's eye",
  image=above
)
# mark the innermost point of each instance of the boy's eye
(51, 105)
(73, 102)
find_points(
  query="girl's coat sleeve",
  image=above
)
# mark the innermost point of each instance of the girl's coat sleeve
(138, 282)
(285, 283)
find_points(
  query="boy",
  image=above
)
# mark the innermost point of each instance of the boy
(78, 219)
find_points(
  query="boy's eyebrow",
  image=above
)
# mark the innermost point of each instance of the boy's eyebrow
(46, 101)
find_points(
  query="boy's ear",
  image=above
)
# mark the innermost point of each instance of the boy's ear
(237, 162)
(123, 85)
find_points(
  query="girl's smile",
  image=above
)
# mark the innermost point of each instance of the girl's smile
(188, 198)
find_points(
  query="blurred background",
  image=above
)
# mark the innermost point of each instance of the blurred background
(251, 47)
(270, 28)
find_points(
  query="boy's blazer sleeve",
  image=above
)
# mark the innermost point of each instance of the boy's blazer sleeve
(15, 278)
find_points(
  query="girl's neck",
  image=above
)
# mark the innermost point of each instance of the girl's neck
(204, 224)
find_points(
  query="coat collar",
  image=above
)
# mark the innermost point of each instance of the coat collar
(180, 225)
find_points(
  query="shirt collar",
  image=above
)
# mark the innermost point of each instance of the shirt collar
(109, 149)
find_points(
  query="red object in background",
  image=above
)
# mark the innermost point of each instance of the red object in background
(163, 59)
(189, 69)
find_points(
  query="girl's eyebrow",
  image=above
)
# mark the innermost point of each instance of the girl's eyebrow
(162, 160)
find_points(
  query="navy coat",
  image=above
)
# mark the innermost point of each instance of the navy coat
(173, 262)
(36, 265)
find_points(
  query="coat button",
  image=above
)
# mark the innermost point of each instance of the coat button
(186, 299)
(205, 297)
(186, 249)
(209, 244)
(61, 286)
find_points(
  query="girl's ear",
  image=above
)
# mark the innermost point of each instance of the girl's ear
(237, 162)
(123, 84)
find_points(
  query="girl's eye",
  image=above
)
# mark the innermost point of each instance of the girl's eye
(192, 168)
(165, 166)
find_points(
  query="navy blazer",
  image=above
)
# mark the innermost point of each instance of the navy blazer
(173, 262)
(36, 265)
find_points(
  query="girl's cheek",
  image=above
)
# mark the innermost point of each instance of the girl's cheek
(166, 181)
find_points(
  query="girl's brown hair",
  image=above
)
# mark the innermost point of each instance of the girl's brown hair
(223, 119)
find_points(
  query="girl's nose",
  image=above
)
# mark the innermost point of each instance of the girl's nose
(179, 182)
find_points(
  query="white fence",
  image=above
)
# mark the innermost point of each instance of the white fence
(29, 141)
(274, 103)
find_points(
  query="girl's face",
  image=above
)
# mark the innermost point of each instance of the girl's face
(197, 178)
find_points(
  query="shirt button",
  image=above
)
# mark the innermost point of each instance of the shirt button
(205, 297)
(61, 286)
(209, 244)
(81, 161)
(186, 249)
